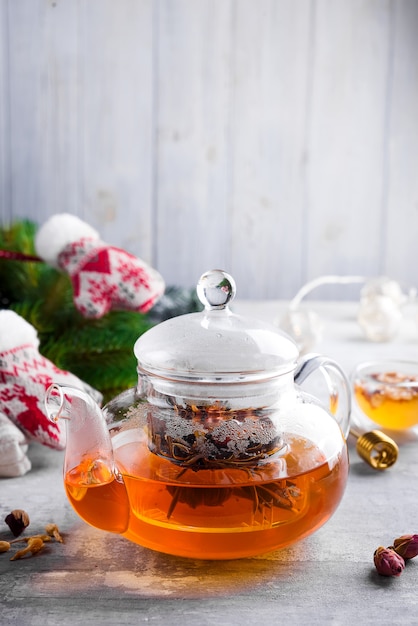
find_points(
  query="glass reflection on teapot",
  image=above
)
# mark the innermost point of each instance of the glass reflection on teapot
(217, 453)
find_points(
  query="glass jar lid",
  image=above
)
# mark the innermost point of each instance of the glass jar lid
(215, 345)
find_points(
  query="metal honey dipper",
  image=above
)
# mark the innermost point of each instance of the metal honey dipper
(376, 448)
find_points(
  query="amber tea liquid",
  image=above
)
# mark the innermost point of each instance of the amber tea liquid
(218, 513)
(98, 497)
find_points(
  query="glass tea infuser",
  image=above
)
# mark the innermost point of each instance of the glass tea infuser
(217, 453)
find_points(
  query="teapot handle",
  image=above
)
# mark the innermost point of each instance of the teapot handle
(337, 384)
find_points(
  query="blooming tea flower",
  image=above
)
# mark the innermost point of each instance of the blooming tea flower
(406, 546)
(388, 562)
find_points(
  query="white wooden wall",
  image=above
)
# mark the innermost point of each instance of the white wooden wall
(277, 139)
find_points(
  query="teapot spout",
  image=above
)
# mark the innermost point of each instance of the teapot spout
(87, 434)
(93, 484)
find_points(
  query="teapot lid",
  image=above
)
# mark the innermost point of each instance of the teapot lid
(215, 344)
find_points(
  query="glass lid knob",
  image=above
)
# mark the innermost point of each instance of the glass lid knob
(216, 289)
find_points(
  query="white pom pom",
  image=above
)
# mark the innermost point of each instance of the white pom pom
(15, 331)
(58, 232)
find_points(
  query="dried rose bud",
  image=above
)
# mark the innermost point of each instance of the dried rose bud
(406, 546)
(388, 562)
(4, 546)
(53, 531)
(34, 545)
(17, 521)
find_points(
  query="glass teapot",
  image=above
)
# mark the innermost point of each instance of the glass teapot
(217, 453)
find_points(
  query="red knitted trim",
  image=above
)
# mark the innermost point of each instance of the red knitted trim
(146, 306)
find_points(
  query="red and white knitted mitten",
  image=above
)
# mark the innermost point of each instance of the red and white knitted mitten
(25, 376)
(103, 277)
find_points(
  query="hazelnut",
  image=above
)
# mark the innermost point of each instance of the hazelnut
(17, 521)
